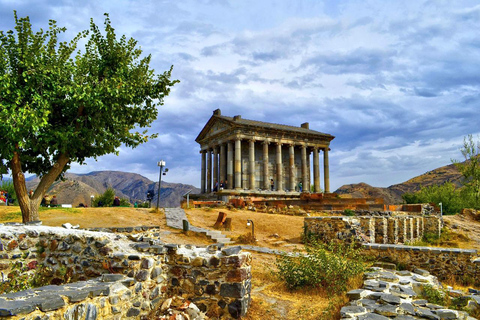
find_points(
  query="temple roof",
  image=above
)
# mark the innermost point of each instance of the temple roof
(238, 122)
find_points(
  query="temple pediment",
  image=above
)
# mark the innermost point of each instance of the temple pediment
(214, 127)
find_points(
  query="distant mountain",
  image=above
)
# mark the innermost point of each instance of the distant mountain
(78, 188)
(393, 194)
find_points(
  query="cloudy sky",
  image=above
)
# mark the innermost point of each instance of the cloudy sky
(396, 82)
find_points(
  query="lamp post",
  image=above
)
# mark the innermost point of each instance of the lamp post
(441, 209)
(161, 164)
(250, 222)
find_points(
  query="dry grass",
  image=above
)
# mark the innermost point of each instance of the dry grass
(271, 230)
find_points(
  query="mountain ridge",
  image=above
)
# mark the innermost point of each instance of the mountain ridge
(78, 188)
(393, 194)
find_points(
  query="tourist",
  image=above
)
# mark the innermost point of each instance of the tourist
(225, 184)
(54, 202)
(116, 202)
(215, 188)
(272, 184)
(2, 197)
(222, 185)
(300, 186)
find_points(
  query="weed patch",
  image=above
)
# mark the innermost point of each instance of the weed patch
(330, 267)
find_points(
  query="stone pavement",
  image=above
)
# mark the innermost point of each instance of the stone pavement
(390, 294)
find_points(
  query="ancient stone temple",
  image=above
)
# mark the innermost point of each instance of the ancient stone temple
(250, 155)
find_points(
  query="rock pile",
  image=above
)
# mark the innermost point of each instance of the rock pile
(397, 295)
(178, 308)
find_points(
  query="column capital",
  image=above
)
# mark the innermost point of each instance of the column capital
(266, 142)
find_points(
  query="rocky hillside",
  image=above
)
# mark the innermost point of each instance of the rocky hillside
(393, 194)
(78, 188)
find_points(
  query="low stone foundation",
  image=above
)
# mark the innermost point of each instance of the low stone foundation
(442, 262)
(393, 229)
(120, 276)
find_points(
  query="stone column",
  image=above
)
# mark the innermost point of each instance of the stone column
(309, 173)
(223, 167)
(238, 164)
(304, 168)
(266, 181)
(204, 169)
(326, 174)
(279, 167)
(215, 167)
(229, 165)
(316, 170)
(251, 164)
(291, 152)
(209, 171)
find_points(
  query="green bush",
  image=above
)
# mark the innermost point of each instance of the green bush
(435, 296)
(348, 212)
(20, 279)
(323, 266)
(107, 199)
(452, 198)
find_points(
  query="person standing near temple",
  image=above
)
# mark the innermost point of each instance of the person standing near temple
(272, 184)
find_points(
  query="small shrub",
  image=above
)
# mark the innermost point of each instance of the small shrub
(330, 267)
(348, 212)
(245, 239)
(19, 277)
(436, 296)
(106, 199)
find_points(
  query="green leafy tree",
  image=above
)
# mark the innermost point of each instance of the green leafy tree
(59, 105)
(470, 169)
(447, 194)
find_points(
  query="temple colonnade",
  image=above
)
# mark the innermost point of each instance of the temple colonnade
(251, 164)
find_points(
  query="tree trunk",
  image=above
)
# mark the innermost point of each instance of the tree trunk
(29, 205)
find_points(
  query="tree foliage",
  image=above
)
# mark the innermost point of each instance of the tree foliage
(452, 198)
(470, 169)
(447, 194)
(59, 105)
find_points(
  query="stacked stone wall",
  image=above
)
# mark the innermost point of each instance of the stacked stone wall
(372, 229)
(144, 272)
(445, 263)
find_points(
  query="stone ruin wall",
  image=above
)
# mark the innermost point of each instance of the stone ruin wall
(117, 276)
(369, 229)
(445, 263)
(382, 239)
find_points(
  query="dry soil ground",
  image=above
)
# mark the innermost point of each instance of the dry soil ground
(270, 298)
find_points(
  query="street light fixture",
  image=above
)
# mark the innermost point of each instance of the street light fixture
(250, 222)
(441, 209)
(161, 164)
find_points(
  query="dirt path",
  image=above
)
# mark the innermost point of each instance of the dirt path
(467, 226)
